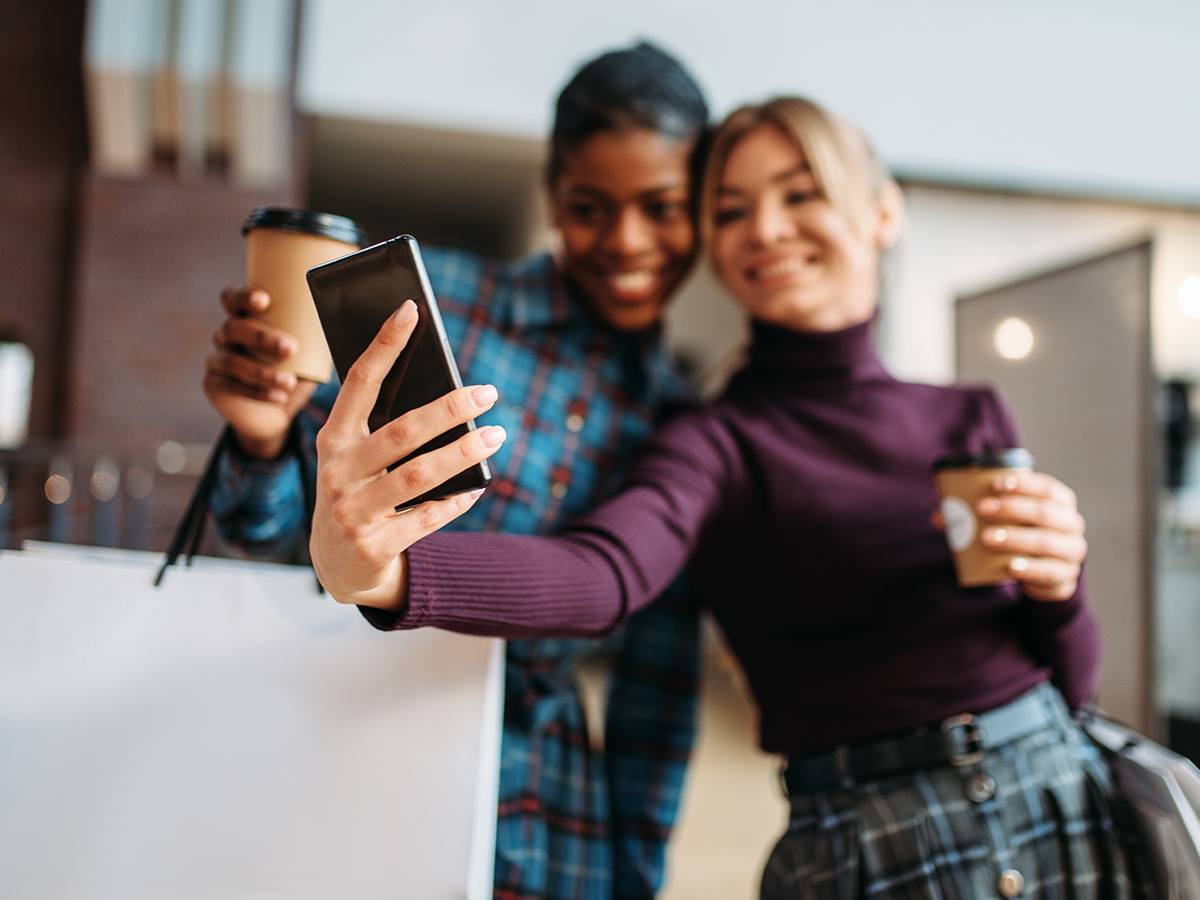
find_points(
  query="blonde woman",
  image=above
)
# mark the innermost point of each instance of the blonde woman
(930, 750)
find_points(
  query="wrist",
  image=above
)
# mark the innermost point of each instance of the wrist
(1052, 595)
(258, 447)
(392, 593)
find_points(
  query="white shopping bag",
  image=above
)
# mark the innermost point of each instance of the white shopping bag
(234, 734)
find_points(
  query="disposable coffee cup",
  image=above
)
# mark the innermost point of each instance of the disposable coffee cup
(281, 245)
(962, 481)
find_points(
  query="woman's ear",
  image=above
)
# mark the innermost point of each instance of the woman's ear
(889, 224)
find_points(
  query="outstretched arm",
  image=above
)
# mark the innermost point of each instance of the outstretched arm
(609, 564)
(594, 574)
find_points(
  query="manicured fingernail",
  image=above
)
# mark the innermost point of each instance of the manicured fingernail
(995, 535)
(484, 395)
(258, 299)
(1005, 483)
(406, 313)
(277, 397)
(285, 380)
(492, 435)
(287, 346)
(478, 492)
(989, 505)
(1018, 564)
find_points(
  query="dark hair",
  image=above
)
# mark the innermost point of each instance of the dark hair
(638, 87)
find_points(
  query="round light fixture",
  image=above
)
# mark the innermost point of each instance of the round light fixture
(139, 482)
(58, 489)
(171, 457)
(1013, 338)
(106, 478)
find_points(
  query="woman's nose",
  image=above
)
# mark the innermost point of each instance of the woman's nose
(630, 234)
(771, 222)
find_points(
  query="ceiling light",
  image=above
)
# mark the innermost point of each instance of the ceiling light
(1014, 338)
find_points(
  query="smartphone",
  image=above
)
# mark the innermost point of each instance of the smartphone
(354, 296)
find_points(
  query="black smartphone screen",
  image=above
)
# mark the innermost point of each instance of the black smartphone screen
(354, 296)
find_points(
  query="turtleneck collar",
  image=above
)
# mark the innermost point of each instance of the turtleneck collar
(847, 355)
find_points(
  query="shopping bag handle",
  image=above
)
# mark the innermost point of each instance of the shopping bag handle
(189, 532)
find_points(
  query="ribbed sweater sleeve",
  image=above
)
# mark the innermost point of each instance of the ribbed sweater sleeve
(597, 572)
(1063, 635)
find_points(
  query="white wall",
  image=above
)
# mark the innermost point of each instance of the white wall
(958, 242)
(1096, 95)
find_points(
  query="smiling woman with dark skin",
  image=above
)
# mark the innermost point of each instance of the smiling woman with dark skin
(926, 728)
(621, 202)
(571, 342)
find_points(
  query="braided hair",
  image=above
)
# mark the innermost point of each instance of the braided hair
(637, 87)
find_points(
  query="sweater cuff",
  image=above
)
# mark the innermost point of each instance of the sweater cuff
(421, 560)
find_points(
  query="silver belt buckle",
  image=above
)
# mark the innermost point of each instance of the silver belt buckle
(974, 739)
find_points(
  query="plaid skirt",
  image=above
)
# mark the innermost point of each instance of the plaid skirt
(1034, 819)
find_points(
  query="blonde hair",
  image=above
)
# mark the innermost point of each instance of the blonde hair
(843, 162)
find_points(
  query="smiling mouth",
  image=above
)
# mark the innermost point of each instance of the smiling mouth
(787, 269)
(633, 286)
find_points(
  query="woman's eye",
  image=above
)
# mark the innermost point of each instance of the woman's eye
(797, 197)
(585, 212)
(730, 214)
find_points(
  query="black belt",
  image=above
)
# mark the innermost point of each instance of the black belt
(958, 741)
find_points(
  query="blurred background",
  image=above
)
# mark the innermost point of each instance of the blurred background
(1050, 155)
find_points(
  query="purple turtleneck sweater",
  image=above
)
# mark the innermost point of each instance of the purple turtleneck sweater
(802, 498)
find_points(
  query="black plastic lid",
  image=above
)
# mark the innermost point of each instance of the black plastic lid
(337, 228)
(999, 458)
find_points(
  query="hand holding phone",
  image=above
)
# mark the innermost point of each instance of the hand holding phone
(354, 296)
(358, 537)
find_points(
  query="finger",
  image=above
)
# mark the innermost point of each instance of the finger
(243, 301)
(1039, 542)
(404, 434)
(360, 389)
(1034, 484)
(255, 336)
(424, 473)
(248, 372)
(1053, 579)
(250, 336)
(408, 527)
(1019, 509)
(215, 385)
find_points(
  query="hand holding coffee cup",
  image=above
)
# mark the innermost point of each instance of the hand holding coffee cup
(271, 350)
(1005, 522)
(241, 377)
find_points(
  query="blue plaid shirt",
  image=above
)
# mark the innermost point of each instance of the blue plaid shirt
(576, 399)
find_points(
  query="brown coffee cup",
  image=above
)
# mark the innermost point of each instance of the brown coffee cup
(962, 481)
(281, 245)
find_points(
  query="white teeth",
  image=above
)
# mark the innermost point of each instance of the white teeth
(778, 269)
(631, 282)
